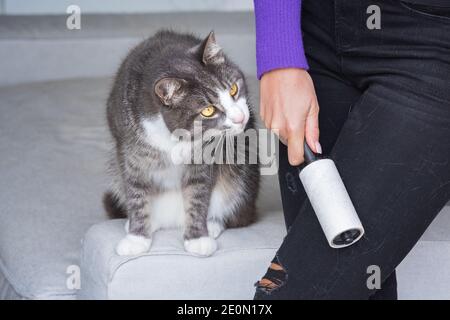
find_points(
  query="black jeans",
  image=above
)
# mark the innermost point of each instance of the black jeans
(384, 96)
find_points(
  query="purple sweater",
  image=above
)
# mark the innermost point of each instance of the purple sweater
(278, 36)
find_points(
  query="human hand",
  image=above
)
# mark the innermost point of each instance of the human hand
(289, 106)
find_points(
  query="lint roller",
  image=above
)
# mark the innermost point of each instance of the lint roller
(330, 200)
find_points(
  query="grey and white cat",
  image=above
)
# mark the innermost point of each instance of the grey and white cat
(171, 81)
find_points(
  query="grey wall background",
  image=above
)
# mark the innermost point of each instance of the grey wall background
(35, 44)
(33, 7)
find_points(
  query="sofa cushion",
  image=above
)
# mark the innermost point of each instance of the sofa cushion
(169, 272)
(53, 146)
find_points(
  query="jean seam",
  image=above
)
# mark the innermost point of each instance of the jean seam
(425, 15)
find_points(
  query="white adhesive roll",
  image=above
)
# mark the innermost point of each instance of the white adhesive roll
(331, 203)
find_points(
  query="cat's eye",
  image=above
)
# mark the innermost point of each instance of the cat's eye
(233, 89)
(209, 111)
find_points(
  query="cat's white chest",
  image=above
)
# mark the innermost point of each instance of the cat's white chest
(166, 207)
(168, 178)
(158, 136)
(167, 210)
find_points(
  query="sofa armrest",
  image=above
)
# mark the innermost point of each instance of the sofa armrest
(169, 272)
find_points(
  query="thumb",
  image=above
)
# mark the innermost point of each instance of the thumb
(295, 147)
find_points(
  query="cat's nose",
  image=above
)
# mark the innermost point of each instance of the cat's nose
(237, 116)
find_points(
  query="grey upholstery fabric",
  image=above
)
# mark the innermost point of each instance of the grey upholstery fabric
(7, 291)
(52, 147)
(168, 272)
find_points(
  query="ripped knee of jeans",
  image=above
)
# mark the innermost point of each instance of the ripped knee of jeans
(275, 277)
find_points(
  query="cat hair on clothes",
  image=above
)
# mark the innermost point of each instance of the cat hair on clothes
(165, 84)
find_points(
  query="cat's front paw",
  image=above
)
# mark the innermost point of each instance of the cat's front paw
(203, 246)
(215, 228)
(133, 245)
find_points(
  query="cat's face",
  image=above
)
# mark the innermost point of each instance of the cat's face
(205, 89)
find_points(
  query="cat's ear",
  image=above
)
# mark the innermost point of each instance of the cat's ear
(170, 90)
(209, 51)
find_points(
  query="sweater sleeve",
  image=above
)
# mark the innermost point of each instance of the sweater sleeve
(278, 36)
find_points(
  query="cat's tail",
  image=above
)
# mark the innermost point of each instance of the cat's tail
(114, 209)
